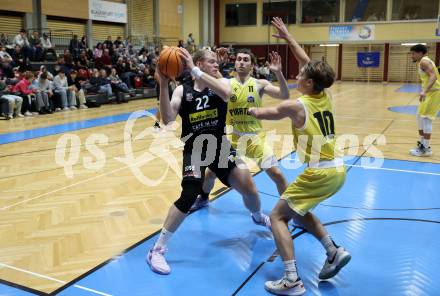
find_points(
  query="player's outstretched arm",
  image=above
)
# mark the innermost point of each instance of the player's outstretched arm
(281, 91)
(168, 109)
(220, 86)
(291, 109)
(283, 33)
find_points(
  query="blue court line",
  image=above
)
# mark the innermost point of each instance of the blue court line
(294, 85)
(410, 88)
(411, 109)
(216, 249)
(68, 127)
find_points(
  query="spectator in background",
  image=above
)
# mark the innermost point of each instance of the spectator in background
(83, 44)
(191, 43)
(75, 46)
(6, 62)
(98, 50)
(75, 84)
(22, 89)
(14, 101)
(18, 58)
(118, 41)
(47, 46)
(36, 49)
(4, 40)
(83, 61)
(118, 86)
(181, 44)
(109, 44)
(43, 93)
(61, 87)
(100, 83)
(22, 41)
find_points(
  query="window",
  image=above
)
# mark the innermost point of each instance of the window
(414, 9)
(365, 11)
(243, 14)
(284, 9)
(320, 11)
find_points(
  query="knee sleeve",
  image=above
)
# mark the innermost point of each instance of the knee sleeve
(427, 125)
(190, 190)
(420, 122)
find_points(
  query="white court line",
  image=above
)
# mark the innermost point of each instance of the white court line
(385, 169)
(51, 279)
(394, 170)
(74, 184)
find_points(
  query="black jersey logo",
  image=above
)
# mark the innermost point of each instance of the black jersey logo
(233, 98)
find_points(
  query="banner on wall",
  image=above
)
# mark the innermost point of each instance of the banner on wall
(368, 59)
(107, 11)
(351, 33)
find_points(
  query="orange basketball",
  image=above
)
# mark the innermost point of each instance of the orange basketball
(170, 63)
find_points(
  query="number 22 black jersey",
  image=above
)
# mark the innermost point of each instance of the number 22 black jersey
(202, 112)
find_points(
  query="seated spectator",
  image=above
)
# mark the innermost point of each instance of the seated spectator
(76, 84)
(14, 101)
(118, 86)
(83, 43)
(43, 93)
(104, 61)
(68, 62)
(36, 49)
(22, 41)
(75, 46)
(83, 61)
(109, 44)
(68, 98)
(181, 44)
(18, 58)
(100, 83)
(118, 41)
(47, 46)
(144, 58)
(44, 70)
(4, 40)
(148, 77)
(6, 62)
(98, 51)
(22, 89)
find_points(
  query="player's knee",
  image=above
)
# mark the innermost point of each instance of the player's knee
(427, 125)
(188, 196)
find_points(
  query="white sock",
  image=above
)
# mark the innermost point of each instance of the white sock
(257, 216)
(164, 237)
(425, 143)
(290, 269)
(422, 139)
(329, 245)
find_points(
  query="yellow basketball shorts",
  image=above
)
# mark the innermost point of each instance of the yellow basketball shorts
(313, 186)
(430, 106)
(254, 147)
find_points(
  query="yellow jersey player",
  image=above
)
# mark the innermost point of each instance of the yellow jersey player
(247, 136)
(429, 98)
(312, 122)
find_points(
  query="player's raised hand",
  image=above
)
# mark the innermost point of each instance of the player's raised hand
(161, 78)
(187, 58)
(222, 55)
(283, 33)
(275, 62)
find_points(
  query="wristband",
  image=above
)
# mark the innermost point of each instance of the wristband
(196, 72)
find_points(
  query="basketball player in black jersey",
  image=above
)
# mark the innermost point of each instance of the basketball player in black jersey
(203, 113)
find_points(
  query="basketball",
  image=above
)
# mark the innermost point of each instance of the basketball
(170, 63)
